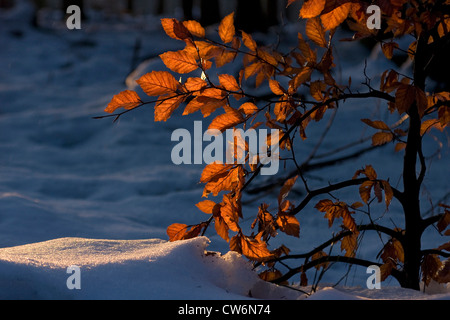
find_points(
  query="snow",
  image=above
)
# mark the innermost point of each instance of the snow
(99, 195)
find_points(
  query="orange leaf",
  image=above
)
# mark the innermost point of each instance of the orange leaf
(220, 177)
(168, 25)
(230, 213)
(364, 190)
(388, 192)
(221, 227)
(289, 224)
(315, 32)
(248, 41)
(335, 17)
(368, 171)
(206, 206)
(227, 120)
(249, 108)
(316, 89)
(164, 109)
(126, 99)
(377, 124)
(381, 138)
(195, 28)
(312, 8)
(157, 83)
(287, 186)
(276, 87)
(255, 250)
(349, 244)
(179, 61)
(176, 231)
(226, 28)
(195, 84)
(229, 82)
(388, 49)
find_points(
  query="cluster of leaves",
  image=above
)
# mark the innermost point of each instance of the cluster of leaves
(308, 67)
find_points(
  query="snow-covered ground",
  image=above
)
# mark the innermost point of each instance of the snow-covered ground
(85, 192)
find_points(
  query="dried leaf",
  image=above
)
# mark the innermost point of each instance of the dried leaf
(388, 49)
(229, 82)
(248, 108)
(350, 244)
(165, 108)
(381, 138)
(249, 42)
(229, 119)
(288, 224)
(157, 83)
(312, 8)
(404, 97)
(195, 28)
(377, 124)
(126, 99)
(335, 17)
(207, 206)
(255, 250)
(315, 32)
(226, 28)
(287, 186)
(179, 61)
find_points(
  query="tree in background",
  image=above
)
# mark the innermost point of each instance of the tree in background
(304, 90)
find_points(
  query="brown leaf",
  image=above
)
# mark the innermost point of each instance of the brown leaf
(179, 61)
(229, 82)
(430, 266)
(176, 231)
(165, 108)
(377, 124)
(255, 250)
(288, 224)
(381, 138)
(312, 8)
(248, 108)
(126, 99)
(335, 17)
(350, 244)
(404, 97)
(157, 83)
(287, 186)
(226, 28)
(207, 206)
(249, 42)
(168, 25)
(388, 49)
(195, 28)
(315, 32)
(229, 119)
(220, 177)
(195, 84)
(230, 213)
(364, 190)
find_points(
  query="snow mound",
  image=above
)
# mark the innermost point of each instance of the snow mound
(130, 269)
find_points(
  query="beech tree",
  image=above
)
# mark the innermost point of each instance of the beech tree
(304, 90)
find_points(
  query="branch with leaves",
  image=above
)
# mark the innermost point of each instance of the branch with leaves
(302, 91)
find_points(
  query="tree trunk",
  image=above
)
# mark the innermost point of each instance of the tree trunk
(410, 201)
